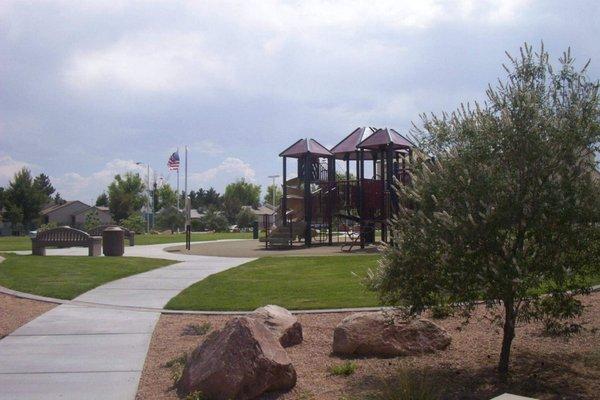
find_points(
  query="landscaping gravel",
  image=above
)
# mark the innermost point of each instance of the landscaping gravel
(543, 367)
(15, 312)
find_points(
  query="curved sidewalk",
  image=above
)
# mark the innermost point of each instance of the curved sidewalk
(77, 351)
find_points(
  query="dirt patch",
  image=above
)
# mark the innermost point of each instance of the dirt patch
(15, 312)
(254, 248)
(542, 367)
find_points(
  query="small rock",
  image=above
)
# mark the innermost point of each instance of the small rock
(242, 361)
(281, 322)
(376, 334)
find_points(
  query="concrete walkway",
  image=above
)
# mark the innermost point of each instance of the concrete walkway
(97, 352)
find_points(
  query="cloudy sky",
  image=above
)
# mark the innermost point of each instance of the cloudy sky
(89, 88)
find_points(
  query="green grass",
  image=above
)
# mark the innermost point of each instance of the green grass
(196, 237)
(9, 243)
(66, 277)
(291, 282)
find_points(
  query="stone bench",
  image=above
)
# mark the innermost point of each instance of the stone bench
(129, 235)
(65, 236)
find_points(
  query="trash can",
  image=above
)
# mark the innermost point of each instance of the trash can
(255, 230)
(113, 241)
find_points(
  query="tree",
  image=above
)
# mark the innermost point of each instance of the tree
(126, 196)
(2, 194)
(507, 205)
(248, 194)
(43, 185)
(24, 199)
(102, 200)
(58, 200)
(245, 218)
(166, 197)
(203, 199)
(214, 221)
(170, 218)
(276, 189)
(92, 220)
(134, 222)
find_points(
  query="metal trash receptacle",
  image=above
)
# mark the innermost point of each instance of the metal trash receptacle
(113, 241)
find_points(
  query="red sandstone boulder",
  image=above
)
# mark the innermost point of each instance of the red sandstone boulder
(378, 334)
(281, 323)
(239, 362)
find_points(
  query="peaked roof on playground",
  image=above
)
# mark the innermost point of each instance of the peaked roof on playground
(384, 137)
(306, 146)
(347, 147)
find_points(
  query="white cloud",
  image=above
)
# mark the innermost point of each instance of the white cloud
(9, 166)
(231, 168)
(74, 186)
(152, 62)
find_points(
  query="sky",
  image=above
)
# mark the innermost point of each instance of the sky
(87, 89)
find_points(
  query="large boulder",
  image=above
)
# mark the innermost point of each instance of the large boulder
(380, 334)
(241, 361)
(281, 323)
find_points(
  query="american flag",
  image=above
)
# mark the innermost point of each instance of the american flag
(173, 162)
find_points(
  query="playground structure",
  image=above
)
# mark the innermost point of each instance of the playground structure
(320, 203)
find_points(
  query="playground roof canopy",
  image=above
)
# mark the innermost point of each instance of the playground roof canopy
(306, 146)
(385, 137)
(347, 147)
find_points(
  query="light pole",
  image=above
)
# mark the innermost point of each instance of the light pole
(274, 188)
(148, 195)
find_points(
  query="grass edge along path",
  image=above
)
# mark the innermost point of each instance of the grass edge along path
(295, 283)
(17, 243)
(66, 277)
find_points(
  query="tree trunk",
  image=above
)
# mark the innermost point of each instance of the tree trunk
(510, 318)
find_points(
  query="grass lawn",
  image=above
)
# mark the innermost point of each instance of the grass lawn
(8, 243)
(66, 277)
(291, 282)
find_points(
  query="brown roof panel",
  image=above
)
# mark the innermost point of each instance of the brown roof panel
(347, 147)
(305, 146)
(384, 137)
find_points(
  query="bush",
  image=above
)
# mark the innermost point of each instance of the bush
(170, 218)
(135, 223)
(345, 369)
(49, 225)
(407, 385)
(214, 221)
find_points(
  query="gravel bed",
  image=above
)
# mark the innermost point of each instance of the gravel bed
(15, 312)
(543, 367)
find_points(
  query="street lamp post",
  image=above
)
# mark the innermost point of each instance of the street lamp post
(273, 186)
(148, 196)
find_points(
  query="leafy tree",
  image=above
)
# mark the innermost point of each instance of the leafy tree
(341, 176)
(273, 189)
(92, 220)
(170, 218)
(214, 221)
(507, 206)
(245, 218)
(102, 200)
(134, 222)
(2, 194)
(126, 195)
(203, 199)
(166, 197)
(246, 193)
(24, 199)
(43, 185)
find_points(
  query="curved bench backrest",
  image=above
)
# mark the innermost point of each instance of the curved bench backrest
(63, 234)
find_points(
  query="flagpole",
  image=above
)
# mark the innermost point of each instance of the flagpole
(187, 211)
(178, 194)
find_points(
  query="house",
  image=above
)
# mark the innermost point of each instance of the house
(73, 213)
(265, 215)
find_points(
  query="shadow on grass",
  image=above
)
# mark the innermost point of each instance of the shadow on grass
(532, 375)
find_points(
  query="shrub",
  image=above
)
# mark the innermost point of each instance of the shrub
(407, 385)
(196, 329)
(49, 225)
(344, 369)
(135, 223)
